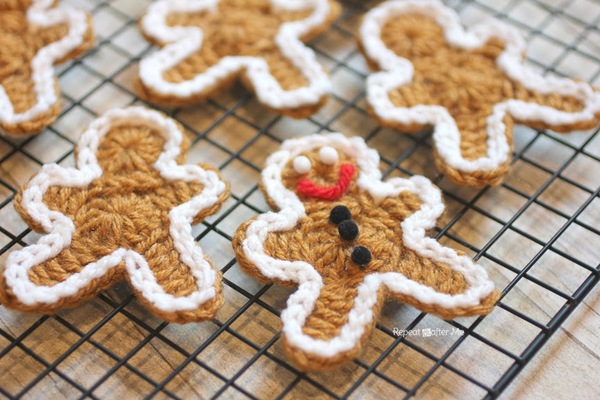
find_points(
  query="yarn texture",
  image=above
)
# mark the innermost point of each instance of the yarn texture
(207, 44)
(343, 274)
(471, 86)
(34, 35)
(124, 212)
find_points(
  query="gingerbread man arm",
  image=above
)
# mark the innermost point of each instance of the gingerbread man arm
(184, 43)
(29, 99)
(186, 190)
(76, 258)
(473, 142)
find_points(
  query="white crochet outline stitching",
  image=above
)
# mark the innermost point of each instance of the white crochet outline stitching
(398, 71)
(184, 41)
(60, 227)
(40, 13)
(309, 282)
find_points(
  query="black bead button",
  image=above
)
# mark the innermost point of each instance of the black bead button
(348, 229)
(339, 214)
(361, 256)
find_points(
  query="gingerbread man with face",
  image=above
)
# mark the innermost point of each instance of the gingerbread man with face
(347, 240)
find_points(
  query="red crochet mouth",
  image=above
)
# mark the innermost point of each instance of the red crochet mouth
(310, 189)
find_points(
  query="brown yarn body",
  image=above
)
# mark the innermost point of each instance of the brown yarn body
(238, 28)
(19, 43)
(468, 83)
(316, 240)
(127, 207)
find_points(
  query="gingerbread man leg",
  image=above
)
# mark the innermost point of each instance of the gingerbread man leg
(181, 279)
(440, 277)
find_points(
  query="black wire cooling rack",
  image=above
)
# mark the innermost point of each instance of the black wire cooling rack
(536, 235)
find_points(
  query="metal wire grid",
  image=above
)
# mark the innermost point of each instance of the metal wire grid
(112, 347)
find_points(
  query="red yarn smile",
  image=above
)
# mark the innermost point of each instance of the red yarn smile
(310, 189)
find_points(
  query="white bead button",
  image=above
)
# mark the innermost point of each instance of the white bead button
(302, 164)
(328, 155)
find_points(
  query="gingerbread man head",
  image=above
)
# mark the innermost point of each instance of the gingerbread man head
(347, 239)
(322, 174)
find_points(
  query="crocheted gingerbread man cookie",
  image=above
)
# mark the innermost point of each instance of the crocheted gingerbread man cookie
(125, 211)
(34, 35)
(209, 43)
(348, 240)
(470, 86)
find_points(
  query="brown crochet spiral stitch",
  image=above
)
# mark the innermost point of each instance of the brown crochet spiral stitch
(20, 42)
(127, 207)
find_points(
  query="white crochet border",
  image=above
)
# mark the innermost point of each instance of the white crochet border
(42, 13)
(186, 40)
(398, 71)
(60, 228)
(301, 303)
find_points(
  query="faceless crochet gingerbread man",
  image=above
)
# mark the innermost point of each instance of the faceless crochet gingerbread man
(33, 37)
(347, 240)
(125, 211)
(209, 43)
(471, 86)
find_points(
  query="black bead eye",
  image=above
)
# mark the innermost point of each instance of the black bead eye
(339, 214)
(348, 229)
(361, 256)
